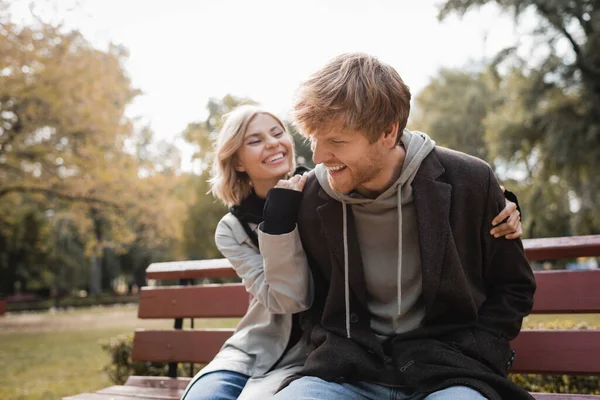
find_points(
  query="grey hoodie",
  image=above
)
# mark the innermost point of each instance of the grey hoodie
(389, 244)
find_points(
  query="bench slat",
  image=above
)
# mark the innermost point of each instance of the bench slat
(567, 292)
(195, 346)
(217, 268)
(146, 393)
(557, 352)
(562, 247)
(536, 349)
(206, 301)
(157, 382)
(231, 300)
(535, 249)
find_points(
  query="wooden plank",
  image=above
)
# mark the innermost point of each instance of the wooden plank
(572, 352)
(216, 268)
(157, 382)
(535, 249)
(196, 346)
(145, 393)
(231, 300)
(567, 292)
(562, 247)
(206, 301)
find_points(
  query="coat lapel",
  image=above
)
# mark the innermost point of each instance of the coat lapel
(331, 216)
(432, 200)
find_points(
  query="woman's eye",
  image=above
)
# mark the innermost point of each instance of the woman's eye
(279, 134)
(257, 141)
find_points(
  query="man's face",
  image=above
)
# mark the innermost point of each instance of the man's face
(352, 162)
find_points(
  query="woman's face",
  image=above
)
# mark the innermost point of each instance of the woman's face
(267, 153)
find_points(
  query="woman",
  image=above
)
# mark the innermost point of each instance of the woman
(255, 153)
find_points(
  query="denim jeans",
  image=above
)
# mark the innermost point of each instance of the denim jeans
(312, 388)
(217, 385)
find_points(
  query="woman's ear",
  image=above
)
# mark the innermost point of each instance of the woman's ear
(239, 167)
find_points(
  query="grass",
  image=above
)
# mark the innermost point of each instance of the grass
(49, 365)
(45, 356)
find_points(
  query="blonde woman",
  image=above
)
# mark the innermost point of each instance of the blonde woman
(254, 153)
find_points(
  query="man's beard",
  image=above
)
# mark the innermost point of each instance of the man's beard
(368, 170)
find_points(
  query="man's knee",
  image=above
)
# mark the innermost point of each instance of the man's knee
(456, 393)
(312, 388)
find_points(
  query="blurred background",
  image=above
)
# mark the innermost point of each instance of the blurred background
(108, 110)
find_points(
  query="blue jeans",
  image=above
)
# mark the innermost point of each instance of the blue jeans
(217, 385)
(312, 388)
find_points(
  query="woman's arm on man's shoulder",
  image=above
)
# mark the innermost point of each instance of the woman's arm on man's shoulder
(283, 288)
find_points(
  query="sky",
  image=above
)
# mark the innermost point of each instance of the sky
(183, 52)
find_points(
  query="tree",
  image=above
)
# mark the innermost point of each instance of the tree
(548, 120)
(63, 136)
(452, 107)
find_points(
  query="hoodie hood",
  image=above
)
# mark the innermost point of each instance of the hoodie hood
(418, 145)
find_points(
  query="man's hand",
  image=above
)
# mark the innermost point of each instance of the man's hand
(294, 183)
(512, 228)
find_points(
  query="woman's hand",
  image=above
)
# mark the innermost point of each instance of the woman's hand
(294, 183)
(512, 228)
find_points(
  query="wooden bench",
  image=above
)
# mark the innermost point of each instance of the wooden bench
(538, 351)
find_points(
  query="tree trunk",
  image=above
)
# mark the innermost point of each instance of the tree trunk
(96, 259)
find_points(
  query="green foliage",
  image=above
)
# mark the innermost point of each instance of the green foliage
(203, 216)
(452, 108)
(121, 366)
(545, 123)
(302, 148)
(78, 208)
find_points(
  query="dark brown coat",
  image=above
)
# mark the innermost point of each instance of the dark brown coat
(476, 288)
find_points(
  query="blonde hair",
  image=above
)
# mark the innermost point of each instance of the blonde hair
(355, 90)
(226, 183)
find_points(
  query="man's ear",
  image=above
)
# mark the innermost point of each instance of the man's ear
(390, 135)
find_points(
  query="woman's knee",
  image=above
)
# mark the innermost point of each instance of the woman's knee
(218, 385)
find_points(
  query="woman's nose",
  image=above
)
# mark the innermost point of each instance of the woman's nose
(272, 141)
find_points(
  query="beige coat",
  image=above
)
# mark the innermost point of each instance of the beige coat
(279, 290)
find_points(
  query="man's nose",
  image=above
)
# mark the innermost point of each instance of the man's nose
(319, 152)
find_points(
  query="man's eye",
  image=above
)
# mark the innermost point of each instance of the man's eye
(338, 141)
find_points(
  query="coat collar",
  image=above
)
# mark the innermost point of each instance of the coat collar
(432, 201)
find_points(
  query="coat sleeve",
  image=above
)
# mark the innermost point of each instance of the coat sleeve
(283, 287)
(509, 280)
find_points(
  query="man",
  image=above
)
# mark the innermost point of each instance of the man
(414, 299)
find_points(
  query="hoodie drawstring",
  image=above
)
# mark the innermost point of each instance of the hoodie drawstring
(346, 279)
(399, 197)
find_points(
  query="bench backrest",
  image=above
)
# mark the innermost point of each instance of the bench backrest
(538, 351)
